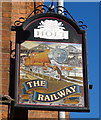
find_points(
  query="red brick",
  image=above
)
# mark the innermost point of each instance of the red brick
(23, 11)
(6, 9)
(5, 67)
(1, 73)
(6, 44)
(15, 11)
(0, 25)
(13, 38)
(6, 56)
(3, 111)
(17, 16)
(19, 5)
(6, 20)
(0, 19)
(4, 89)
(0, 32)
(0, 13)
(6, 26)
(5, 61)
(5, 50)
(42, 114)
(0, 60)
(6, 14)
(0, 4)
(5, 74)
(6, 4)
(6, 38)
(5, 33)
(5, 77)
(5, 81)
(0, 68)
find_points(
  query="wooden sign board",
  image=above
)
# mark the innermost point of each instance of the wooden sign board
(51, 64)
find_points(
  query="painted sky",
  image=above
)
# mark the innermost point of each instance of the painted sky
(31, 44)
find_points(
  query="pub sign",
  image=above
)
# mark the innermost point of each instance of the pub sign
(51, 64)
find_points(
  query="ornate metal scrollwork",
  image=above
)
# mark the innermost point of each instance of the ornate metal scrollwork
(64, 12)
(12, 55)
(82, 25)
(40, 9)
(51, 8)
(19, 22)
(45, 9)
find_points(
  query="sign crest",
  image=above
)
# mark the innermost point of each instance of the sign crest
(51, 28)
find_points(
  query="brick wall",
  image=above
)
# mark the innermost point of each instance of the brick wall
(11, 12)
(0, 45)
(0, 55)
(5, 35)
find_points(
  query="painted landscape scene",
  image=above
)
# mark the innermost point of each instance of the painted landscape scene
(60, 64)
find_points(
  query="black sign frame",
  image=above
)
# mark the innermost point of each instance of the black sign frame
(22, 35)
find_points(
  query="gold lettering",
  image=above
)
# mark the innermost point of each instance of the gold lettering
(61, 93)
(55, 97)
(68, 91)
(36, 83)
(73, 88)
(43, 83)
(51, 96)
(30, 84)
(47, 98)
(40, 97)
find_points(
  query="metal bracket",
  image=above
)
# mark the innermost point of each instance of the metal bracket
(51, 9)
(90, 86)
(5, 99)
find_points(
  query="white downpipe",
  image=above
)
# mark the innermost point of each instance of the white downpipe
(60, 3)
(62, 115)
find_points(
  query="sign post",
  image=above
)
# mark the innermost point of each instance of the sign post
(51, 64)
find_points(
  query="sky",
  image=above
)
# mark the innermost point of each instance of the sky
(88, 12)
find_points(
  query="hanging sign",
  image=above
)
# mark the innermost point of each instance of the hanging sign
(51, 64)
